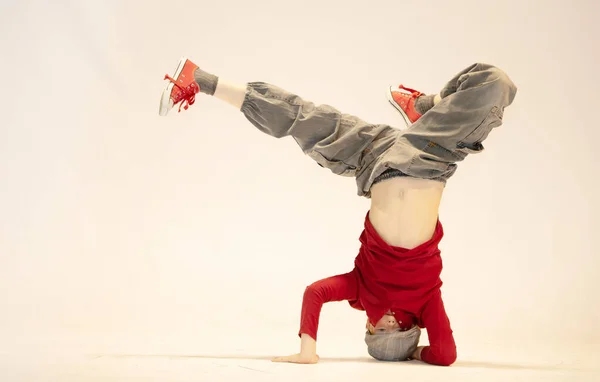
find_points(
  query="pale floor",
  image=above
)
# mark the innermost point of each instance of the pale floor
(490, 364)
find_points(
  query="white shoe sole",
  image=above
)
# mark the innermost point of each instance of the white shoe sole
(166, 104)
(395, 104)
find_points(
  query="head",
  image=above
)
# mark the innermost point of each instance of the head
(388, 341)
(387, 324)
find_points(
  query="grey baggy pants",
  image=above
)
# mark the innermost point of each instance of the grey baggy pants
(472, 104)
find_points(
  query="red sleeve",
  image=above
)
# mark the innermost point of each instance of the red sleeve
(442, 348)
(335, 288)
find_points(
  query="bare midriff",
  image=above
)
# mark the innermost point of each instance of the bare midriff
(404, 210)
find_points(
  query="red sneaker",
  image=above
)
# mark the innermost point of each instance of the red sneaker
(404, 101)
(181, 88)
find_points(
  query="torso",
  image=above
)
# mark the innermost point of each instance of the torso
(404, 210)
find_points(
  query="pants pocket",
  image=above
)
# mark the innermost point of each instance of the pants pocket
(336, 166)
(473, 142)
(432, 161)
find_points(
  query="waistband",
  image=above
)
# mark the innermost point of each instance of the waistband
(388, 174)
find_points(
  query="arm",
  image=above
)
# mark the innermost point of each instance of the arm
(336, 288)
(442, 348)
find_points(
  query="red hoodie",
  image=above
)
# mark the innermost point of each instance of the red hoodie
(405, 281)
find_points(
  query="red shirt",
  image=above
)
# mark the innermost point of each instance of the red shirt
(405, 281)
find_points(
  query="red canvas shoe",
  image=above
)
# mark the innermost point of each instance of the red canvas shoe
(182, 87)
(403, 99)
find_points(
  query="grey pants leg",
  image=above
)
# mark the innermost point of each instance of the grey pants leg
(340, 142)
(472, 105)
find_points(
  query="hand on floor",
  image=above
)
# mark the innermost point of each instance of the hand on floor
(298, 358)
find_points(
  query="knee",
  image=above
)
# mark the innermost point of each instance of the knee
(500, 82)
(500, 76)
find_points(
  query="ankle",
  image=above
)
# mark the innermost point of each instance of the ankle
(206, 81)
(233, 94)
(424, 103)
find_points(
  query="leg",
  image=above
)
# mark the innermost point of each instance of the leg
(472, 104)
(340, 142)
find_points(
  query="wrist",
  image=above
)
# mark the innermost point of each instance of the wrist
(308, 345)
(417, 353)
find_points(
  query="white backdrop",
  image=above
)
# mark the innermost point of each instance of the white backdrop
(121, 231)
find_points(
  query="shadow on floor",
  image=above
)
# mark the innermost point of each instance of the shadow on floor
(459, 363)
(512, 366)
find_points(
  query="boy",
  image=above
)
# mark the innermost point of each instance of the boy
(396, 278)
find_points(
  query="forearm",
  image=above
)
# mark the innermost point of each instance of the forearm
(442, 348)
(335, 288)
(423, 353)
(440, 356)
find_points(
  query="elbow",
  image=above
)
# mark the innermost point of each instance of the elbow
(440, 357)
(315, 294)
(311, 291)
(447, 357)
